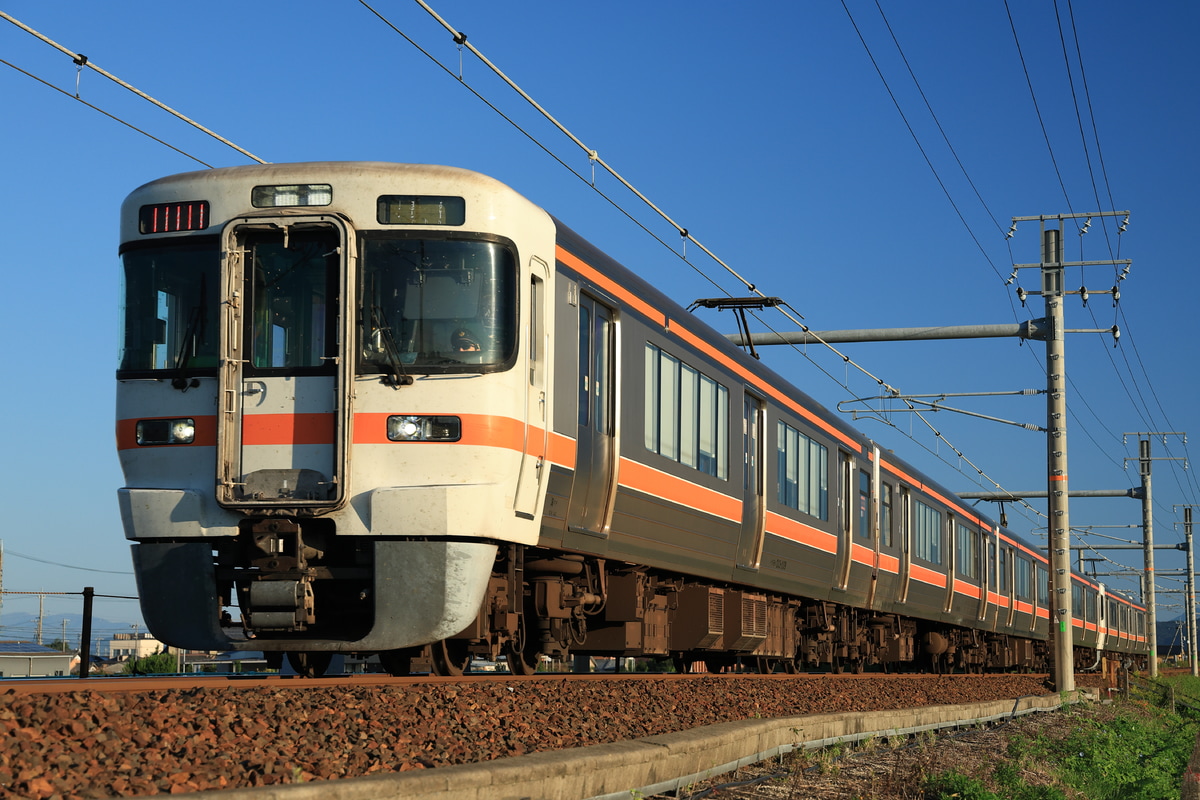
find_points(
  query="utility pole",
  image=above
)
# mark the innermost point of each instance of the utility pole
(1058, 537)
(1058, 540)
(1148, 543)
(1145, 462)
(1190, 590)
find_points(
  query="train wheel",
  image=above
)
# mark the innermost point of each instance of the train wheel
(520, 660)
(450, 657)
(309, 664)
(398, 662)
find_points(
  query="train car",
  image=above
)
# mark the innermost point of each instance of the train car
(400, 409)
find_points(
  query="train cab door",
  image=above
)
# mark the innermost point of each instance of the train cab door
(537, 419)
(750, 542)
(595, 445)
(281, 425)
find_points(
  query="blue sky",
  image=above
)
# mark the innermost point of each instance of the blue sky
(764, 128)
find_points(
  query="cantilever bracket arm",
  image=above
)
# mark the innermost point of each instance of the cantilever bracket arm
(936, 405)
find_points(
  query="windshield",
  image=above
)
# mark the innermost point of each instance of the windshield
(432, 305)
(291, 285)
(169, 308)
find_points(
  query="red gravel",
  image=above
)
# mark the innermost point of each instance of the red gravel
(96, 744)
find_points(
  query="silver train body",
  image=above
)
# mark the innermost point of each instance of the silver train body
(368, 407)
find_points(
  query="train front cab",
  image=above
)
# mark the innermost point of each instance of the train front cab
(329, 411)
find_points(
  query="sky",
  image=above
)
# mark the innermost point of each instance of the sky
(861, 161)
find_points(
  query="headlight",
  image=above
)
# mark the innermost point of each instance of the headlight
(411, 428)
(166, 431)
(304, 194)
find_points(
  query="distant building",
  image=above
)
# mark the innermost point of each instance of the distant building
(124, 646)
(29, 660)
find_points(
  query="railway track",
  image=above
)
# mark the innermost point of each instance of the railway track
(142, 736)
(147, 683)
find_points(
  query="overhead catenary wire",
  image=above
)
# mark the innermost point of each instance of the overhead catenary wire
(83, 61)
(461, 41)
(1140, 405)
(916, 139)
(1036, 107)
(8, 552)
(113, 117)
(595, 160)
(1114, 460)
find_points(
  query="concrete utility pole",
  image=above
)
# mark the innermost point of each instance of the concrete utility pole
(1058, 540)
(1190, 589)
(1145, 463)
(1148, 543)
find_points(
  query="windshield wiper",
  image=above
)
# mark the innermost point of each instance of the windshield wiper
(396, 376)
(181, 382)
(188, 344)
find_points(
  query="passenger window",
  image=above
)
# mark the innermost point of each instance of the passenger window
(927, 533)
(885, 514)
(686, 414)
(802, 472)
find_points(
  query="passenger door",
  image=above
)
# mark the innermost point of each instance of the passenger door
(595, 451)
(750, 542)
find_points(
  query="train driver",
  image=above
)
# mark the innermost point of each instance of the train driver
(463, 341)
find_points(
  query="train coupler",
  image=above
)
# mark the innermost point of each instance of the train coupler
(280, 597)
(280, 605)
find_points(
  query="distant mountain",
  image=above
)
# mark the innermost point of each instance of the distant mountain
(22, 627)
(1172, 635)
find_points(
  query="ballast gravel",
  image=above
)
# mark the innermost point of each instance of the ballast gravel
(91, 744)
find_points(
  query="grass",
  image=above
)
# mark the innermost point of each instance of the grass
(1140, 751)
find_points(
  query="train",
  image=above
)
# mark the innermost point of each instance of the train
(400, 409)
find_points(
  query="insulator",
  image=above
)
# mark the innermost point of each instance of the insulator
(1116, 332)
(1083, 293)
(1021, 295)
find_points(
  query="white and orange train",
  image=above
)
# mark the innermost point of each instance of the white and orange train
(394, 409)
